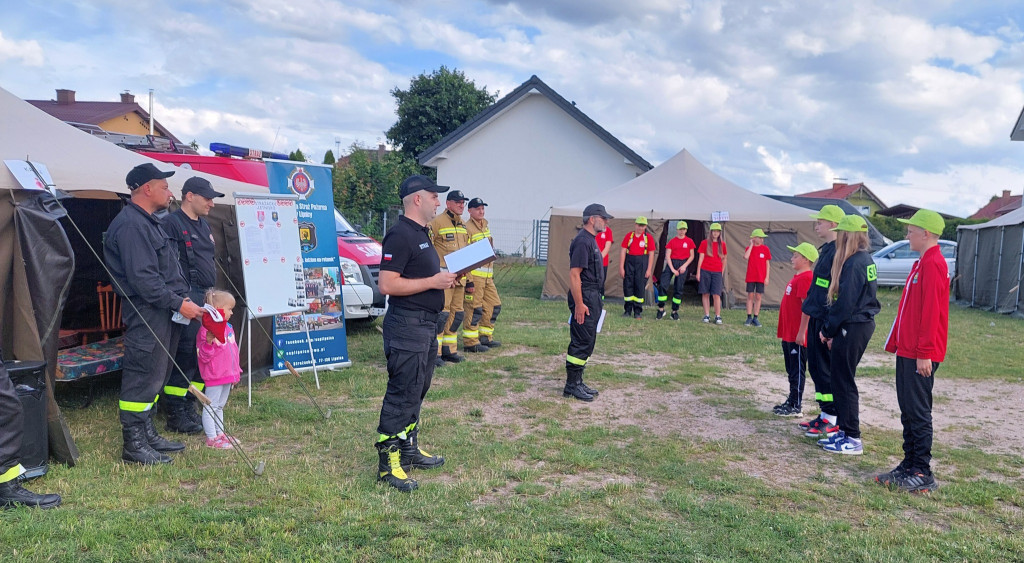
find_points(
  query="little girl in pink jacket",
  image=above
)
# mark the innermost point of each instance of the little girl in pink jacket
(218, 364)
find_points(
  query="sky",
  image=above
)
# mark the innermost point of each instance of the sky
(916, 99)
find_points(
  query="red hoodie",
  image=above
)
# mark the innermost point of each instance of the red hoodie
(922, 320)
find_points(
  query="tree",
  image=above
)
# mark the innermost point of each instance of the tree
(370, 184)
(433, 106)
(329, 157)
(297, 156)
(194, 145)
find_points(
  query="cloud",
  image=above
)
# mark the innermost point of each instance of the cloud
(29, 52)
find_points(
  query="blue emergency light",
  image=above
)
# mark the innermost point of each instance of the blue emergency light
(224, 149)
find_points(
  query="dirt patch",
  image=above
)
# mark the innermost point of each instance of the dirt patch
(965, 414)
(647, 365)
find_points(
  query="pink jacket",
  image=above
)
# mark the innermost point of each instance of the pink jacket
(218, 363)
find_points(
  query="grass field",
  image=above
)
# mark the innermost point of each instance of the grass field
(673, 462)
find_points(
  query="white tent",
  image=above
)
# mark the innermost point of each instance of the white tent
(683, 188)
(40, 266)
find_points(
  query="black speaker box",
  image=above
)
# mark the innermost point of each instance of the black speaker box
(29, 380)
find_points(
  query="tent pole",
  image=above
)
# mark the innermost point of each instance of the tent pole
(974, 278)
(999, 269)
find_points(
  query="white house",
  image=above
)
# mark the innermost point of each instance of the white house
(530, 151)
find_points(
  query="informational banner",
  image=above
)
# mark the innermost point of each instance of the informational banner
(268, 235)
(323, 319)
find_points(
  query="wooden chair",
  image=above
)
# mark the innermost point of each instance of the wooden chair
(110, 314)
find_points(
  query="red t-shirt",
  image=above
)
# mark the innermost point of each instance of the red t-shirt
(682, 248)
(792, 301)
(638, 245)
(713, 260)
(757, 264)
(603, 238)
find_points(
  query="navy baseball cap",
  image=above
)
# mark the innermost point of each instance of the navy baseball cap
(596, 210)
(476, 202)
(144, 173)
(199, 186)
(418, 182)
(456, 195)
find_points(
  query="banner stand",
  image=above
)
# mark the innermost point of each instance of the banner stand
(312, 358)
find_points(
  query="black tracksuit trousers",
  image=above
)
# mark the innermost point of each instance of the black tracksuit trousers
(847, 349)
(819, 364)
(10, 423)
(671, 288)
(796, 368)
(914, 394)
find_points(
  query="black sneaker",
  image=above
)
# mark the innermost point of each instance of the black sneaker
(747, 322)
(675, 316)
(755, 322)
(790, 410)
(779, 406)
(706, 319)
(888, 478)
(718, 320)
(915, 482)
(638, 315)
(661, 314)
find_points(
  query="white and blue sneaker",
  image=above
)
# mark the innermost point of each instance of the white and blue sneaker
(832, 438)
(845, 445)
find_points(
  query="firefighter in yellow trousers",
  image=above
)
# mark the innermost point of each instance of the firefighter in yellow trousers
(448, 234)
(482, 304)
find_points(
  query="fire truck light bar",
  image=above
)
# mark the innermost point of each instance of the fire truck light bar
(223, 149)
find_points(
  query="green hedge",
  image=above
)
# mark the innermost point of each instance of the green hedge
(895, 230)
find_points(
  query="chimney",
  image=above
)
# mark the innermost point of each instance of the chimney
(65, 97)
(127, 97)
(837, 185)
(1006, 194)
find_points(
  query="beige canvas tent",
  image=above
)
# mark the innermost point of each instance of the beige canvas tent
(683, 188)
(45, 264)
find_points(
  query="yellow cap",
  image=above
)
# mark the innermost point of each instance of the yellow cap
(716, 227)
(680, 225)
(852, 224)
(832, 213)
(758, 233)
(927, 220)
(806, 250)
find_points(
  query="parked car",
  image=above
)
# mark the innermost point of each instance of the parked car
(895, 261)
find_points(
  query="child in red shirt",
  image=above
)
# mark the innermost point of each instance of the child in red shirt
(678, 255)
(711, 272)
(793, 328)
(918, 338)
(605, 239)
(758, 263)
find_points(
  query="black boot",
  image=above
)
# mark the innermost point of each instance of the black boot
(476, 348)
(389, 466)
(489, 342)
(158, 442)
(191, 413)
(573, 387)
(587, 388)
(178, 420)
(137, 448)
(449, 355)
(12, 494)
(415, 458)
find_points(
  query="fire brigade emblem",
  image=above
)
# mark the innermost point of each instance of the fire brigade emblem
(300, 183)
(307, 236)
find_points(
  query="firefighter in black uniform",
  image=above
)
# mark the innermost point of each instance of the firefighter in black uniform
(586, 278)
(12, 494)
(194, 239)
(410, 274)
(819, 361)
(144, 266)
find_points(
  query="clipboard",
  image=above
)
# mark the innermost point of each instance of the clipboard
(463, 260)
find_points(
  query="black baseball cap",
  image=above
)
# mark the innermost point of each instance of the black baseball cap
(144, 173)
(418, 182)
(596, 209)
(456, 195)
(476, 202)
(199, 186)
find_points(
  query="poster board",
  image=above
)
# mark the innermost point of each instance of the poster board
(268, 233)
